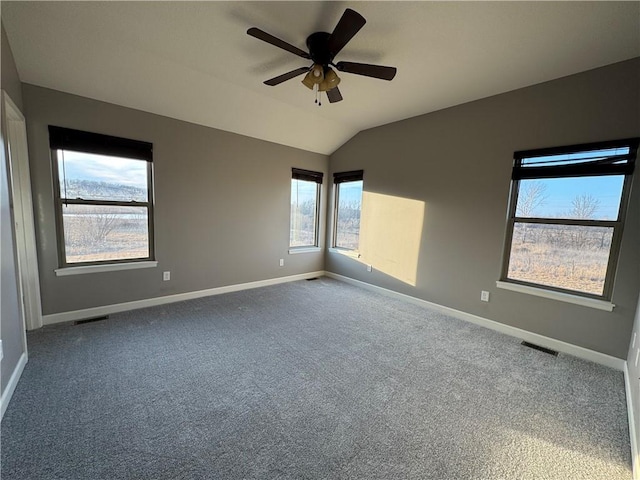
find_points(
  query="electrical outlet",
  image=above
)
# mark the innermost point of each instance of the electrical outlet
(166, 276)
(369, 268)
(484, 296)
(282, 262)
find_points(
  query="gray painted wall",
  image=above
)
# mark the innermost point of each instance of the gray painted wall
(458, 162)
(222, 204)
(11, 325)
(10, 80)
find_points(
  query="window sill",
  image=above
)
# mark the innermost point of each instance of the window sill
(563, 297)
(296, 250)
(80, 270)
(345, 252)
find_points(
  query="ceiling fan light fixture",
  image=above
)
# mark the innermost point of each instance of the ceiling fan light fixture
(331, 81)
(314, 77)
(322, 49)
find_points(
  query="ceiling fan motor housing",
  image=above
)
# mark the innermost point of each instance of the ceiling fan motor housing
(318, 45)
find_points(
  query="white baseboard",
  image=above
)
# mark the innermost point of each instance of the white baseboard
(151, 302)
(552, 343)
(635, 441)
(13, 383)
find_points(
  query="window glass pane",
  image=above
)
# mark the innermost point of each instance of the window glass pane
(584, 198)
(101, 177)
(95, 233)
(348, 215)
(562, 256)
(304, 213)
(574, 158)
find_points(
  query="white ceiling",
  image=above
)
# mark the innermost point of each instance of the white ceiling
(193, 60)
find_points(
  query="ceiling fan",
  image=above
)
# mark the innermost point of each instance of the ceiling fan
(323, 47)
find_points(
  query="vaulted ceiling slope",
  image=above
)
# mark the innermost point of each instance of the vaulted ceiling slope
(194, 61)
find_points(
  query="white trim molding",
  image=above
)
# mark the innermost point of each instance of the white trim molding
(543, 341)
(112, 267)
(12, 384)
(16, 154)
(346, 252)
(296, 250)
(563, 297)
(633, 434)
(101, 311)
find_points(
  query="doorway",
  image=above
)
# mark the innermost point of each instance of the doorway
(22, 205)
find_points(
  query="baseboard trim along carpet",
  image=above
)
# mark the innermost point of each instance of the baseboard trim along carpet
(13, 382)
(535, 338)
(635, 441)
(179, 297)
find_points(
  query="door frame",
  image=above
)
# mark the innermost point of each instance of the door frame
(17, 154)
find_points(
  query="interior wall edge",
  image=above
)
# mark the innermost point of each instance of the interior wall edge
(12, 384)
(633, 434)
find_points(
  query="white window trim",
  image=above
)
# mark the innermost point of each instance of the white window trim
(309, 249)
(346, 252)
(110, 267)
(561, 296)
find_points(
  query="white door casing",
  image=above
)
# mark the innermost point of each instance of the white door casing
(16, 152)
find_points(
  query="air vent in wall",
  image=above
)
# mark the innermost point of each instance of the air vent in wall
(542, 349)
(90, 320)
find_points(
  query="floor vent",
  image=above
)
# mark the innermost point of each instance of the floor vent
(311, 279)
(90, 320)
(538, 347)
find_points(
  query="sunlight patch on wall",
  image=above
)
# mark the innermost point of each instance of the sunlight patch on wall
(390, 235)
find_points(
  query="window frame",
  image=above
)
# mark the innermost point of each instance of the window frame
(339, 178)
(317, 178)
(94, 143)
(520, 172)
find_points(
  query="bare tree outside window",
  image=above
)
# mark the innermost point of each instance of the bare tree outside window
(532, 196)
(566, 207)
(584, 206)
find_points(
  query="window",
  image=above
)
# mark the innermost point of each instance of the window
(103, 196)
(305, 212)
(566, 217)
(348, 204)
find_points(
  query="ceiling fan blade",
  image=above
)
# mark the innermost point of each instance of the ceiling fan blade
(286, 76)
(375, 71)
(350, 23)
(334, 95)
(265, 37)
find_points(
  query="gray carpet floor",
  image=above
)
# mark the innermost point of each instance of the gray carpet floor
(307, 380)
